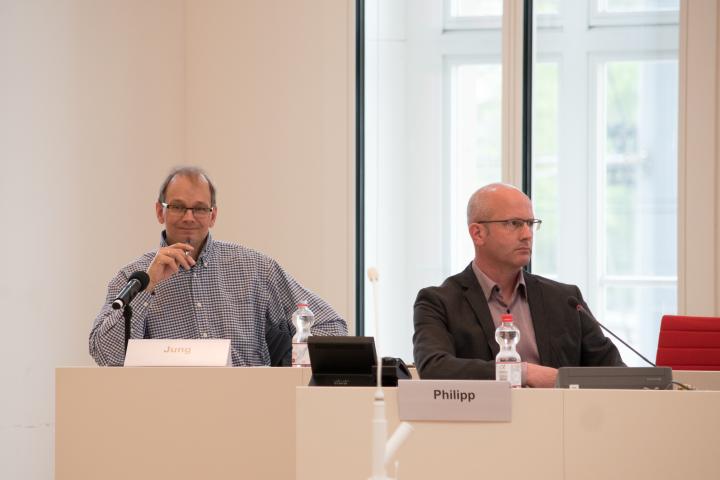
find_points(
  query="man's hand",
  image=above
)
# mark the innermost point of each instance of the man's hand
(168, 261)
(540, 377)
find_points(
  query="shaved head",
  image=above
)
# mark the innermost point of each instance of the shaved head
(501, 249)
(485, 201)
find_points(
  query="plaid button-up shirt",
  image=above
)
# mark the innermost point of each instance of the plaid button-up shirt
(231, 292)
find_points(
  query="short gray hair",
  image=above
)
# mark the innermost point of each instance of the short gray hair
(191, 172)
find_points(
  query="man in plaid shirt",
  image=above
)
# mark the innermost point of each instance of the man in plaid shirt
(205, 288)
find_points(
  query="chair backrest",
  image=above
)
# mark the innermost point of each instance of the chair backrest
(689, 343)
(279, 343)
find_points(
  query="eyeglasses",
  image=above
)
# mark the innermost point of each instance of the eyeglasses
(179, 210)
(515, 224)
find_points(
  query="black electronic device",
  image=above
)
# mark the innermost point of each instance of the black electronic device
(393, 369)
(351, 361)
(652, 378)
(342, 361)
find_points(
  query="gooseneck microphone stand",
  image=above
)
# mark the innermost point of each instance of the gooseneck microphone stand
(137, 282)
(383, 449)
(127, 315)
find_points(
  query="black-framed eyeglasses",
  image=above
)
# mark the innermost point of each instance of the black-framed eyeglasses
(514, 224)
(179, 210)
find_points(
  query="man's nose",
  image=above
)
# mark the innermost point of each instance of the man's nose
(526, 231)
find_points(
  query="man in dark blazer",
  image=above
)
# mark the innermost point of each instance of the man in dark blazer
(455, 322)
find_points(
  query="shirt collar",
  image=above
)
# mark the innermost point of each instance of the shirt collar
(207, 250)
(489, 286)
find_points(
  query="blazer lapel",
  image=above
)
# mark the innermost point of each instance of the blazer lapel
(540, 320)
(476, 298)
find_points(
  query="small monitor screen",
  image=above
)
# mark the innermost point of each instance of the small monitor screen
(342, 355)
(342, 360)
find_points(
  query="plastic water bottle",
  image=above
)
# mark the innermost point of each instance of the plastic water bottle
(507, 362)
(303, 319)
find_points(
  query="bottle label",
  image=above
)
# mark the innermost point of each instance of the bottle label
(509, 372)
(300, 355)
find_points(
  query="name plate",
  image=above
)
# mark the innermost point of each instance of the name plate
(178, 353)
(455, 400)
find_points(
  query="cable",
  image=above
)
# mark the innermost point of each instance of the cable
(681, 386)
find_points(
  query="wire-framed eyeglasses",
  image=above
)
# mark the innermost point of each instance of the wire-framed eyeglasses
(515, 224)
(180, 210)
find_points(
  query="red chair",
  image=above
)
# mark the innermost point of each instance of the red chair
(689, 343)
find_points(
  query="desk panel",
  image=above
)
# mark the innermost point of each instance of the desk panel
(700, 379)
(179, 423)
(554, 434)
(635, 434)
(335, 424)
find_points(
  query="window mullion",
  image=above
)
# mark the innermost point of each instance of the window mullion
(512, 91)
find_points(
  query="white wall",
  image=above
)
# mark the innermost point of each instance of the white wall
(699, 157)
(270, 112)
(91, 101)
(98, 100)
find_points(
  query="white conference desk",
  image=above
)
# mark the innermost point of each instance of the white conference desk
(701, 380)
(554, 435)
(175, 423)
(219, 423)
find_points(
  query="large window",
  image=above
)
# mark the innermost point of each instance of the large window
(604, 170)
(474, 139)
(432, 136)
(604, 143)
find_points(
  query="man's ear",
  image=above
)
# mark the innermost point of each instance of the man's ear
(478, 233)
(213, 216)
(160, 213)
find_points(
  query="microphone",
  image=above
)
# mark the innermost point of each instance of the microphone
(383, 449)
(137, 282)
(379, 422)
(374, 276)
(574, 303)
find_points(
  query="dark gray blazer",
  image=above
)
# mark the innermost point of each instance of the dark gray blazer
(455, 335)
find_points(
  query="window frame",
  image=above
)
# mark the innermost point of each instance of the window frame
(698, 277)
(599, 18)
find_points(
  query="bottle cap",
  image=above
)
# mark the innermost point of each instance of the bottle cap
(302, 303)
(507, 317)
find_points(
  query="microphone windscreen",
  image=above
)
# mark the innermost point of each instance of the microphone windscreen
(373, 274)
(573, 302)
(141, 277)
